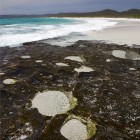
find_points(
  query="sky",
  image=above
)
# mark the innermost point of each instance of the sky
(64, 6)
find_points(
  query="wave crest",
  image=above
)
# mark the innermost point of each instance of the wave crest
(17, 34)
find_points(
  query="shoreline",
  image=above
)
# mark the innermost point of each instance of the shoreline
(126, 31)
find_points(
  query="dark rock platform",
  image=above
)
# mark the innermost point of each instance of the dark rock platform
(110, 95)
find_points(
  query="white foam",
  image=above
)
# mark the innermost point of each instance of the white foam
(50, 103)
(18, 34)
(74, 130)
(119, 19)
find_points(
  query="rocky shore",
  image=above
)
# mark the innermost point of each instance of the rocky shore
(99, 86)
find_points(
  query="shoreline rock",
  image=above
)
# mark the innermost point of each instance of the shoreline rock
(109, 95)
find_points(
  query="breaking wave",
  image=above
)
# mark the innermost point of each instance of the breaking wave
(16, 34)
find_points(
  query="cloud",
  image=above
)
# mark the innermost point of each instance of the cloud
(55, 6)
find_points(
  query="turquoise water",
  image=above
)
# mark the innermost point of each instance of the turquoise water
(15, 31)
(40, 21)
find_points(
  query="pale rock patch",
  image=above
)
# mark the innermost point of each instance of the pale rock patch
(39, 61)
(51, 103)
(26, 56)
(108, 60)
(126, 54)
(119, 53)
(74, 58)
(2, 73)
(74, 130)
(62, 64)
(132, 69)
(9, 81)
(83, 69)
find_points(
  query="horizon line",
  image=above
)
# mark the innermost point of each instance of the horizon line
(67, 12)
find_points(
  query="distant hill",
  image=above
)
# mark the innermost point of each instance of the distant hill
(132, 13)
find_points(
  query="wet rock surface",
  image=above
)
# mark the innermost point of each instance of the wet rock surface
(109, 95)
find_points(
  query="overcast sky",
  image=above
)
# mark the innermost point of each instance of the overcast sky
(57, 6)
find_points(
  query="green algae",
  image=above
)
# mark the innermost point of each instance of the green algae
(72, 100)
(91, 128)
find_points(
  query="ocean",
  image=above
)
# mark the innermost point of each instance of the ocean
(15, 31)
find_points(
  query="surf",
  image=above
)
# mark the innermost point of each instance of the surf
(14, 32)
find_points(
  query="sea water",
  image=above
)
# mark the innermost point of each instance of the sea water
(15, 31)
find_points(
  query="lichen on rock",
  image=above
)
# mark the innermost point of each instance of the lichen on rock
(9, 81)
(78, 128)
(75, 58)
(83, 69)
(51, 103)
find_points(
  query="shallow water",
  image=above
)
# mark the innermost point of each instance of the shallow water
(15, 31)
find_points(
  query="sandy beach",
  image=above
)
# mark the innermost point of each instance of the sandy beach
(126, 31)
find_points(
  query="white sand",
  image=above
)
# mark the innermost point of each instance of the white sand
(74, 130)
(74, 58)
(62, 64)
(50, 103)
(83, 69)
(127, 31)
